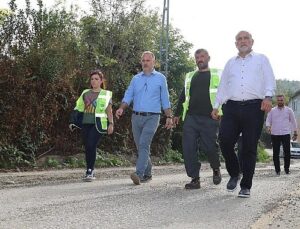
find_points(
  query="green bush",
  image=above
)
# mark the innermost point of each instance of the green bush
(74, 162)
(262, 155)
(109, 160)
(171, 156)
(52, 163)
(12, 157)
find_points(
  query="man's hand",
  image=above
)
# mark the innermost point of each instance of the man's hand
(176, 120)
(266, 105)
(268, 129)
(215, 114)
(119, 112)
(169, 123)
(294, 138)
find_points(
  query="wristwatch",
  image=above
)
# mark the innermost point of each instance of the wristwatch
(268, 97)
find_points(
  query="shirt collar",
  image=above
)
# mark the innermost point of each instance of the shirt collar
(152, 73)
(248, 55)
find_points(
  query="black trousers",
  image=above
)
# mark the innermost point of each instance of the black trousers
(199, 129)
(277, 140)
(90, 137)
(246, 118)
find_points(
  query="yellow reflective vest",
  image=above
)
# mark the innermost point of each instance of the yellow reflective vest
(100, 112)
(214, 83)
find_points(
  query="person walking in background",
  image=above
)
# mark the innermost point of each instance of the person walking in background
(195, 106)
(280, 123)
(93, 114)
(148, 91)
(246, 89)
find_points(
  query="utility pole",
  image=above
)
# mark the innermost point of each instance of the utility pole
(164, 39)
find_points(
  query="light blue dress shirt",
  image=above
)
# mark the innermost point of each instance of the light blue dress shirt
(149, 93)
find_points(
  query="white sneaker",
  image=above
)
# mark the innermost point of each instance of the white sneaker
(89, 176)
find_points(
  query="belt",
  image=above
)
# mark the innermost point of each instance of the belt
(245, 102)
(145, 113)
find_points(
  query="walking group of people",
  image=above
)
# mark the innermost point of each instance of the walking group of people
(234, 105)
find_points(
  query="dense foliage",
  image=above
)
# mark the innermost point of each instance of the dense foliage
(45, 57)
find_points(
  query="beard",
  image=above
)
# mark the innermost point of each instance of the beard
(280, 105)
(202, 65)
(244, 49)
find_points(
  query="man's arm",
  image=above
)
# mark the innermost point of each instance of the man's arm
(270, 84)
(164, 94)
(221, 95)
(179, 107)
(269, 122)
(293, 124)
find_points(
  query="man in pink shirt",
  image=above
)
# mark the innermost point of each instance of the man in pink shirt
(280, 123)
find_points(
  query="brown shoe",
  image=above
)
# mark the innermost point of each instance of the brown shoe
(135, 178)
(217, 178)
(194, 184)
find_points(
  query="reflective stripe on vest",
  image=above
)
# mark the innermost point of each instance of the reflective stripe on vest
(100, 113)
(213, 87)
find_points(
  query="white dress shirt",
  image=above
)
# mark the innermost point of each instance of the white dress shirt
(246, 78)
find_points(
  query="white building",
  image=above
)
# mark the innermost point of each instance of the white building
(294, 103)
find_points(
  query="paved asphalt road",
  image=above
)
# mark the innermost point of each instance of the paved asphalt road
(162, 203)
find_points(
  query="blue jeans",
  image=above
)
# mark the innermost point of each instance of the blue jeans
(143, 129)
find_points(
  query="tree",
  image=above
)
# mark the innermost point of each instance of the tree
(46, 55)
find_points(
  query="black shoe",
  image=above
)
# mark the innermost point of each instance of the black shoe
(232, 183)
(194, 184)
(244, 193)
(217, 178)
(287, 172)
(146, 178)
(277, 173)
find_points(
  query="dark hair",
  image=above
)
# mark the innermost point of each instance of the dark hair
(97, 72)
(201, 50)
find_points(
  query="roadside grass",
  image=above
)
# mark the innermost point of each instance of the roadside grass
(105, 159)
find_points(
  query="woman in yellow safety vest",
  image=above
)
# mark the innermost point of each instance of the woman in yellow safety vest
(93, 115)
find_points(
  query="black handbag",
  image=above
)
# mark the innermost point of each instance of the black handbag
(76, 118)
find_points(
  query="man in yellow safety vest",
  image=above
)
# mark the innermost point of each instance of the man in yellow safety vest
(195, 107)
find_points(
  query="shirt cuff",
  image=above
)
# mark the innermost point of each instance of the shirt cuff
(216, 106)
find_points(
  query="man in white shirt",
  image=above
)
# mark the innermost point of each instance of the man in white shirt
(245, 91)
(280, 123)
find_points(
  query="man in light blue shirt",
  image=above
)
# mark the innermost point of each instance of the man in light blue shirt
(148, 90)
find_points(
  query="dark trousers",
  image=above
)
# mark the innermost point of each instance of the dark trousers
(204, 129)
(239, 146)
(277, 140)
(246, 118)
(90, 137)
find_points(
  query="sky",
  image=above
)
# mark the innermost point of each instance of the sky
(213, 24)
